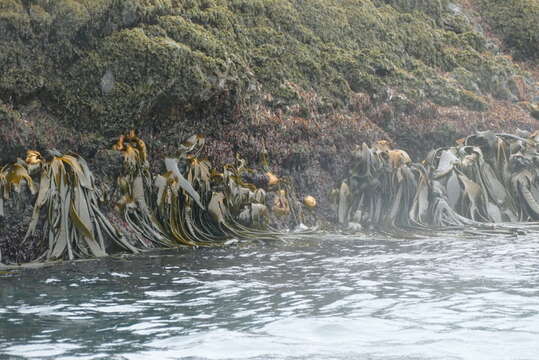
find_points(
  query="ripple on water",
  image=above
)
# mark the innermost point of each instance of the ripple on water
(40, 350)
(332, 297)
(161, 293)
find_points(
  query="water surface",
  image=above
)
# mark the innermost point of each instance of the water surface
(319, 297)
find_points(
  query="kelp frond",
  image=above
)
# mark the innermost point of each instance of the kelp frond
(191, 203)
(67, 208)
(486, 178)
(13, 179)
(182, 206)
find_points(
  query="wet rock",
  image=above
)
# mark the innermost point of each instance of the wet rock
(107, 82)
(13, 227)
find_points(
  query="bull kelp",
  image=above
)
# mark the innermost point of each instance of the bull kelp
(190, 204)
(486, 177)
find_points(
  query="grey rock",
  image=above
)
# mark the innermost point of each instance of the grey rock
(107, 82)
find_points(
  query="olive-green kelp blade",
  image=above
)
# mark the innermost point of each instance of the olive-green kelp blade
(486, 178)
(67, 203)
(172, 166)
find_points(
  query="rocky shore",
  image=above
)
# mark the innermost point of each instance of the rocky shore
(308, 81)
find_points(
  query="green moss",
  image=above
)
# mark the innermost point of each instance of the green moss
(436, 9)
(475, 40)
(12, 134)
(472, 101)
(517, 22)
(193, 35)
(109, 65)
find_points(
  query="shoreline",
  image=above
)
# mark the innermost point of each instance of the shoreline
(485, 179)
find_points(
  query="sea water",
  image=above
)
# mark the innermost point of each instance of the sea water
(311, 297)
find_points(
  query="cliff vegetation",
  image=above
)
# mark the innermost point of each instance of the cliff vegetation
(308, 79)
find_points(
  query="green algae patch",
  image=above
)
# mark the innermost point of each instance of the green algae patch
(111, 65)
(517, 23)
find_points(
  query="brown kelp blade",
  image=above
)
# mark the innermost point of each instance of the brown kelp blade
(172, 166)
(486, 178)
(68, 200)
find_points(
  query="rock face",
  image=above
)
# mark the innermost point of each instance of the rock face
(306, 79)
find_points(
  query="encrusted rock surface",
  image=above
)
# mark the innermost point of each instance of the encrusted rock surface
(306, 79)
